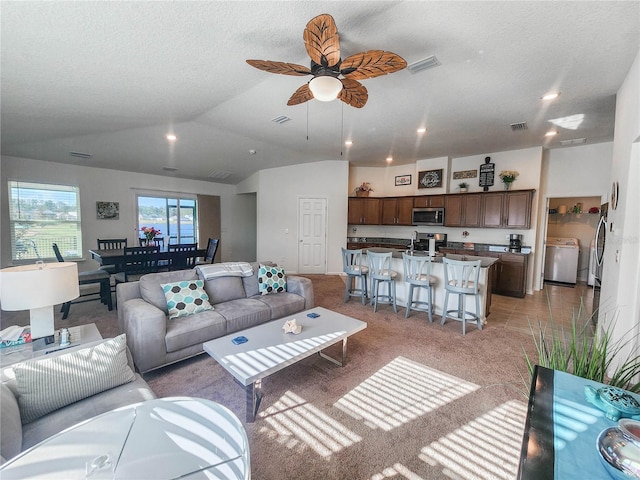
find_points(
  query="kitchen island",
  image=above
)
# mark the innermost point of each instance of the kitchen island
(487, 267)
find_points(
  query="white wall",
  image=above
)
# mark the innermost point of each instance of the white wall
(620, 295)
(97, 184)
(279, 190)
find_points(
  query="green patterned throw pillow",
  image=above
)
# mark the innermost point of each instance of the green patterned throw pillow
(186, 298)
(271, 280)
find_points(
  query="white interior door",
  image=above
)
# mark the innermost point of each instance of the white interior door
(312, 229)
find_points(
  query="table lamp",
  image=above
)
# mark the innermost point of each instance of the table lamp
(37, 288)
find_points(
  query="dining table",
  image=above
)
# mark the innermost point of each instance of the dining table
(117, 257)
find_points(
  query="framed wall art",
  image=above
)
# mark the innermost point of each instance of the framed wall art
(108, 210)
(430, 178)
(403, 180)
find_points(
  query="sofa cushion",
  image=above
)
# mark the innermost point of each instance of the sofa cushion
(151, 290)
(186, 298)
(282, 304)
(251, 283)
(271, 280)
(71, 377)
(244, 313)
(195, 329)
(223, 289)
(11, 431)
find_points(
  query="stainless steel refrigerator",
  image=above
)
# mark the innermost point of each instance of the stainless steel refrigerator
(599, 241)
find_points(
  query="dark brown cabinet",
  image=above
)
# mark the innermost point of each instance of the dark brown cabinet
(428, 201)
(492, 206)
(364, 211)
(512, 275)
(397, 211)
(462, 210)
(507, 209)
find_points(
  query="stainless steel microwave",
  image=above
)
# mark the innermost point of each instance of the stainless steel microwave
(427, 216)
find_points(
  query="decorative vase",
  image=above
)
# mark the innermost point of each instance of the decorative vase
(362, 193)
(619, 449)
(507, 185)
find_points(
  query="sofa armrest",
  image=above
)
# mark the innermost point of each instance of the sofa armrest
(301, 286)
(125, 292)
(146, 328)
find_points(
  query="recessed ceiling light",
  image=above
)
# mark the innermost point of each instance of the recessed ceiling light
(171, 137)
(348, 143)
(389, 159)
(422, 130)
(551, 96)
(551, 133)
(252, 152)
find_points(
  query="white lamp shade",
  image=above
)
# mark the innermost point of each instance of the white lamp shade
(325, 88)
(28, 287)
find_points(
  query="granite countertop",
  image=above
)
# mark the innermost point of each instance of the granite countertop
(397, 253)
(473, 248)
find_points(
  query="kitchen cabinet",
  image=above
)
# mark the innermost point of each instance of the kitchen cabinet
(507, 209)
(428, 201)
(462, 210)
(492, 206)
(397, 211)
(364, 211)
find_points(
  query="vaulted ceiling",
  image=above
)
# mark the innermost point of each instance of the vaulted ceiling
(111, 79)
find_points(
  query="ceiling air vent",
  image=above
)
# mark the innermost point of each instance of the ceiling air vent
(574, 141)
(80, 155)
(516, 127)
(169, 169)
(281, 119)
(423, 64)
(219, 174)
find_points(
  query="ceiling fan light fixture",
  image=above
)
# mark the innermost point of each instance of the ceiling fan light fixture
(325, 88)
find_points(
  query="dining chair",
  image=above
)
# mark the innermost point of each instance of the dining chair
(356, 272)
(461, 278)
(212, 248)
(417, 274)
(182, 262)
(100, 277)
(380, 273)
(139, 261)
(111, 244)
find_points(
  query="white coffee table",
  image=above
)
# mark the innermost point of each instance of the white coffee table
(79, 335)
(269, 349)
(167, 438)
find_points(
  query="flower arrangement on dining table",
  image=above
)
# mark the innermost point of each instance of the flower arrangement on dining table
(150, 233)
(508, 177)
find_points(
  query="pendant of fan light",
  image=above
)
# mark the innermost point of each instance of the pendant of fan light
(323, 46)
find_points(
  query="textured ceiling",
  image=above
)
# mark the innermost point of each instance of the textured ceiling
(112, 78)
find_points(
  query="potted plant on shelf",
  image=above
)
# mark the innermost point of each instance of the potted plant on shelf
(508, 177)
(363, 189)
(464, 186)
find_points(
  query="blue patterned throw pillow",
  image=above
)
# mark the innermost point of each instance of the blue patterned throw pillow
(271, 280)
(186, 298)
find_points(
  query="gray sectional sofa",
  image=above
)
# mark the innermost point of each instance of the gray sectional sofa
(155, 340)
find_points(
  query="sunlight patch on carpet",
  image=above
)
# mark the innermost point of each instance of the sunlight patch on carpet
(299, 425)
(394, 472)
(401, 391)
(486, 448)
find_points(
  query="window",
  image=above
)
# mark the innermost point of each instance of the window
(174, 216)
(42, 214)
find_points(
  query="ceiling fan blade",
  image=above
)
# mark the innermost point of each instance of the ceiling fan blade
(322, 41)
(301, 95)
(280, 67)
(370, 64)
(353, 93)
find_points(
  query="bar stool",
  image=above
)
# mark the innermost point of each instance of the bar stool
(417, 273)
(352, 266)
(461, 278)
(380, 272)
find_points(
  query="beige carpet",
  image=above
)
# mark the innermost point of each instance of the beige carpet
(415, 401)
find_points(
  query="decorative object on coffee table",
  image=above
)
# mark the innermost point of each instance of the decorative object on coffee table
(615, 402)
(291, 326)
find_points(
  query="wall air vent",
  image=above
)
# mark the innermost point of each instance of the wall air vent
(574, 141)
(219, 174)
(281, 119)
(423, 64)
(517, 127)
(169, 169)
(80, 155)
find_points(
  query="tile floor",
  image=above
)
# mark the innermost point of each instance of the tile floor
(554, 304)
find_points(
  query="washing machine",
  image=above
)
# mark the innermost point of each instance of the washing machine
(561, 260)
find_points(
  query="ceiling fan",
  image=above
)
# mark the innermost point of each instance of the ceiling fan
(323, 46)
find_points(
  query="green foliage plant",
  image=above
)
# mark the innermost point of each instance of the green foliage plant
(585, 353)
